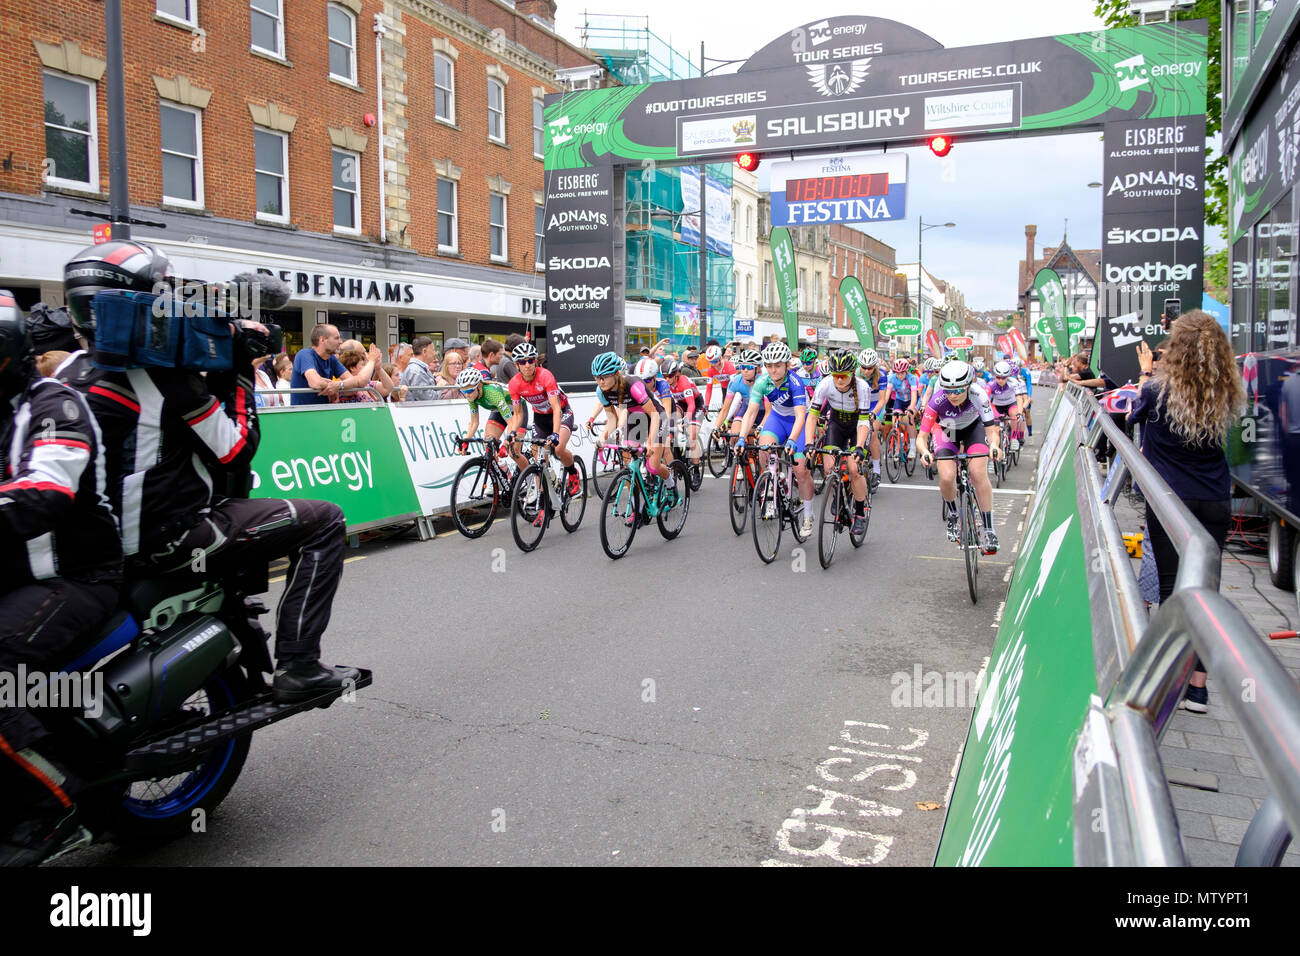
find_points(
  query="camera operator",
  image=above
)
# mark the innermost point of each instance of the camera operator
(180, 489)
(60, 573)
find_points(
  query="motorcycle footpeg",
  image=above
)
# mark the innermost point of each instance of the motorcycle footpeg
(162, 753)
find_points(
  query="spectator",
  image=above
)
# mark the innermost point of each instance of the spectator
(507, 369)
(475, 358)
(398, 392)
(283, 372)
(263, 381)
(318, 368)
(460, 347)
(417, 380)
(493, 353)
(356, 361)
(452, 365)
(402, 354)
(1185, 411)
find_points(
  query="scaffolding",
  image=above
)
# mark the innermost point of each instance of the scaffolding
(632, 52)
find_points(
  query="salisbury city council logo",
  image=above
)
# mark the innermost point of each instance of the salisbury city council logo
(835, 80)
(744, 131)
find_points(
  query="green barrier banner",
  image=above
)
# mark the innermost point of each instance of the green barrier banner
(1012, 803)
(787, 282)
(347, 454)
(855, 305)
(1045, 339)
(1051, 295)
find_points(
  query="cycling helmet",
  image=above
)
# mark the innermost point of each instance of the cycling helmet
(713, 353)
(123, 264)
(839, 362)
(868, 359)
(823, 366)
(900, 366)
(524, 350)
(750, 357)
(17, 357)
(647, 368)
(606, 363)
(979, 363)
(469, 378)
(776, 353)
(956, 374)
(808, 356)
(671, 367)
(932, 364)
(1001, 369)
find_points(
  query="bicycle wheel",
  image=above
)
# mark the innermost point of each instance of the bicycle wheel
(618, 515)
(891, 456)
(573, 507)
(909, 458)
(719, 454)
(1000, 469)
(695, 475)
(475, 497)
(604, 465)
(529, 518)
(970, 544)
(767, 518)
(675, 503)
(738, 508)
(828, 527)
(794, 508)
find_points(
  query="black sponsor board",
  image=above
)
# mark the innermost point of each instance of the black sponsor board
(1153, 165)
(834, 39)
(580, 317)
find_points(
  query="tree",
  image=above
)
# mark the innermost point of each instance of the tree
(1115, 13)
(1216, 274)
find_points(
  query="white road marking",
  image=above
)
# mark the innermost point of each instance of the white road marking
(935, 488)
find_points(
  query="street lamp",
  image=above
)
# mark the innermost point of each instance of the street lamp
(920, 228)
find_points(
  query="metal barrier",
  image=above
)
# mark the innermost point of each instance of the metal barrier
(1143, 668)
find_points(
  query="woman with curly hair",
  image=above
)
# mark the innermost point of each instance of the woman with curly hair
(1185, 410)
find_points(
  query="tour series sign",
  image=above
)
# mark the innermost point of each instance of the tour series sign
(860, 81)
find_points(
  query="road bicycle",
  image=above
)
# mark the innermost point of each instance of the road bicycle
(605, 460)
(681, 446)
(1003, 463)
(775, 502)
(897, 454)
(837, 508)
(744, 475)
(813, 458)
(543, 491)
(718, 452)
(481, 486)
(969, 526)
(634, 497)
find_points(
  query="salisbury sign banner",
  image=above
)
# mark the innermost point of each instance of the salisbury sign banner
(850, 187)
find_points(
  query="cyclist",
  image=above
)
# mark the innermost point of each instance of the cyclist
(552, 413)
(870, 373)
(784, 421)
(901, 393)
(847, 400)
(956, 419)
(808, 370)
(981, 373)
(715, 366)
(736, 400)
(686, 404)
(928, 376)
(1023, 380)
(631, 408)
(493, 396)
(1002, 393)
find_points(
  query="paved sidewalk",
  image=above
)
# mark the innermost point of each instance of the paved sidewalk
(1213, 822)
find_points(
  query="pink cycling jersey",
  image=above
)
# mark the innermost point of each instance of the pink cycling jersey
(538, 392)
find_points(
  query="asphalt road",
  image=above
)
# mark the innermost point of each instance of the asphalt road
(684, 705)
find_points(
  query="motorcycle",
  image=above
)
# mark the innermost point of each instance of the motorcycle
(179, 686)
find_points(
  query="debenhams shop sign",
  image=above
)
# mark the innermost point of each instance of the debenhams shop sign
(341, 287)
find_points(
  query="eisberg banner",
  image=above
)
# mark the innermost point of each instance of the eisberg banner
(851, 187)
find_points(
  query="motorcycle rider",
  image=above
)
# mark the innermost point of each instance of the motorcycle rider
(180, 482)
(60, 576)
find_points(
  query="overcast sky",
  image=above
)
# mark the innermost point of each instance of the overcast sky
(990, 190)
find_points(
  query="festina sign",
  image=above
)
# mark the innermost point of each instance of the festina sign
(845, 187)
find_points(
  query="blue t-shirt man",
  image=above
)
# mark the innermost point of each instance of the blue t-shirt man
(328, 368)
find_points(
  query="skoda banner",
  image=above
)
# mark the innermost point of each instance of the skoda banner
(580, 316)
(855, 305)
(787, 282)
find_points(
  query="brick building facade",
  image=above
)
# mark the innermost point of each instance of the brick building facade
(854, 253)
(254, 138)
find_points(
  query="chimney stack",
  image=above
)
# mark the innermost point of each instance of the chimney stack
(1030, 233)
(542, 9)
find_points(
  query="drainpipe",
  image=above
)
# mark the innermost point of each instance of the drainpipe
(380, 32)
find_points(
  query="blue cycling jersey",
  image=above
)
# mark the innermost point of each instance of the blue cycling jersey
(737, 386)
(785, 398)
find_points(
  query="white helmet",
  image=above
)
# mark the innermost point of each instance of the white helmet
(932, 364)
(979, 363)
(469, 378)
(713, 353)
(1001, 369)
(956, 374)
(824, 366)
(868, 359)
(775, 353)
(646, 368)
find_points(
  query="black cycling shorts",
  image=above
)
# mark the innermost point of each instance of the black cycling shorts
(543, 424)
(840, 433)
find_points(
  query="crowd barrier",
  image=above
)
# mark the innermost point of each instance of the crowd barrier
(1061, 764)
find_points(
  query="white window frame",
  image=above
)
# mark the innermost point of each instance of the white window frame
(284, 188)
(197, 202)
(504, 225)
(279, 32)
(493, 81)
(92, 167)
(451, 91)
(539, 238)
(539, 129)
(455, 216)
(356, 201)
(330, 42)
(193, 20)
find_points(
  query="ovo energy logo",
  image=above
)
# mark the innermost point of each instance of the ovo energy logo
(562, 130)
(1134, 71)
(565, 339)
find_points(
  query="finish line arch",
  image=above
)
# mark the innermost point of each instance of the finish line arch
(854, 81)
